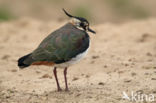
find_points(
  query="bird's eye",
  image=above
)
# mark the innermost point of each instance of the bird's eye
(82, 24)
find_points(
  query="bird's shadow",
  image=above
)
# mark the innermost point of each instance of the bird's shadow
(74, 92)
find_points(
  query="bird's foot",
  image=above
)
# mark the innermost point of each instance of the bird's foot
(59, 89)
(66, 89)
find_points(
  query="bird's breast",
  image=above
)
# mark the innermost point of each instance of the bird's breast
(73, 60)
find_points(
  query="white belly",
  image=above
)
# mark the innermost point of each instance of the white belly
(72, 61)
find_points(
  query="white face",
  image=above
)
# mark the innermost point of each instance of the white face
(77, 23)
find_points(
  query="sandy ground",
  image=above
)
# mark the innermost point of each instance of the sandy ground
(121, 58)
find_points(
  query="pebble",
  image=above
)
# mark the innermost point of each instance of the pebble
(100, 83)
(46, 76)
(75, 78)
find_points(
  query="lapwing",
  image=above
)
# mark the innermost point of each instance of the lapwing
(62, 48)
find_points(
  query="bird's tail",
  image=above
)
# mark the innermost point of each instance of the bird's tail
(22, 61)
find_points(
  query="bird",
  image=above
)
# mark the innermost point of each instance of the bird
(61, 48)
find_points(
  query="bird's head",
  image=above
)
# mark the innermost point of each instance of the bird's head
(79, 22)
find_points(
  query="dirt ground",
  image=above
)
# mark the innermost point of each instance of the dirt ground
(121, 58)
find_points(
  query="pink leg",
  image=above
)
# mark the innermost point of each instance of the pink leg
(65, 77)
(55, 74)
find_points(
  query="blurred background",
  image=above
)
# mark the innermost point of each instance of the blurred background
(97, 11)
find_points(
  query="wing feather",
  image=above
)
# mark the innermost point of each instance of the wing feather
(61, 46)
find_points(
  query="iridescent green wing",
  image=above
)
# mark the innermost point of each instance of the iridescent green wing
(61, 46)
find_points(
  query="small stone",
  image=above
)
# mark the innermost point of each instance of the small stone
(14, 70)
(38, 72)
(146, 67)
(146, 73)
(91, 83)
(129, 60)
(95, 57)
(87, 76)
(150, 60)
(112, 56)
(82, 74)
(105, 66)
(127, 80)
(46, 95)
(20, 75)
(78, 95)
(120, 72)
(92, 62)
(8, 96)
(89, 97)
(126, 65)
(154, 91)
(144, 37)
(100, 83)
(33, 91)
(75, 78)
(46, 76)
(133, 74)
(148, 54)
(140, 91)
(133, 63)
(5, 57)
(153, 78)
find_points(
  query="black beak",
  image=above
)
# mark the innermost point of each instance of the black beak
(92, 31)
